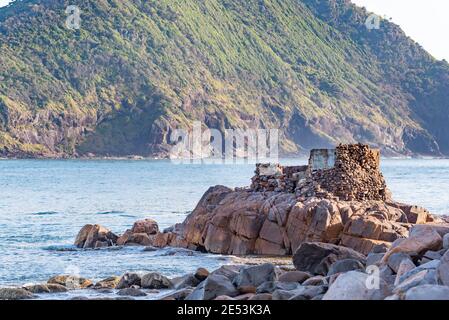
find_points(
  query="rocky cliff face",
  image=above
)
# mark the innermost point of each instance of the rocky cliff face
(136, 70)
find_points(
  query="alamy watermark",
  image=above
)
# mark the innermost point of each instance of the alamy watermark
(205, 145)
(73, 20)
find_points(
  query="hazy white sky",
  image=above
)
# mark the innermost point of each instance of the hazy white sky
(426, 21)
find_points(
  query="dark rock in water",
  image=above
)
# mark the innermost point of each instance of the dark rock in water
(345, 265)
(188, 280)
(229, 271)
(129, 279)
(134, 239)
(255, 275)
(105, 291)
(94, 236)
(155, 281)
(142, 233)
(79, 298)
(215, 285)
(71, 281)
(108, 283)
(37, 288)
(148, 226)
(178, 252)
(150, 249)
(201, 274)
(46, 288)
(317, 257)
(15, 294)
(132, 292)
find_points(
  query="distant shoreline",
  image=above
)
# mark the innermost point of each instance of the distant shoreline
(239, 160)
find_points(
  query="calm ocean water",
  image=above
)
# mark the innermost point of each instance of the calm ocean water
(44, 203)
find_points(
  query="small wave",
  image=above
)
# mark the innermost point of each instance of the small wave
(60, 248)
(44, 213)
(109, 212)
(177, 252)
(127, 216)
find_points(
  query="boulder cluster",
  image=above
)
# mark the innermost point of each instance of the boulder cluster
(247, 221)
(336, 222)
(271, 223)
(413, 268)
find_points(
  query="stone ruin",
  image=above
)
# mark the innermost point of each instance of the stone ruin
(349, 172)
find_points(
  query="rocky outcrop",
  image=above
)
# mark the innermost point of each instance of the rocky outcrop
(70, 281)
(242, 222)
(269, 223)
(15, 294)
(341, 199)
(95, 236)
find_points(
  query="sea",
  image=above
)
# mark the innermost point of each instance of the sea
(44, 203)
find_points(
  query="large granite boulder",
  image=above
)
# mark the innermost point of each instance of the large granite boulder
(255, 275)
(142, 233)
(420, 240)
(242, 222)
(354, 285)
(318, 257)
(15, 294)
(95, 236)
(71, 281)
(214, 286)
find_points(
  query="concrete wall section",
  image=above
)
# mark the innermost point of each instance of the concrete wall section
(321, 159)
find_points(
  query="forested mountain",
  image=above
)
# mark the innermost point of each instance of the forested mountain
(136, 69)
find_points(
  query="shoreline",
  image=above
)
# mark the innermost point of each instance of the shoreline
(202, 160)
(309, 232)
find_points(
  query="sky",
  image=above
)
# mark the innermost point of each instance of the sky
(425, 21)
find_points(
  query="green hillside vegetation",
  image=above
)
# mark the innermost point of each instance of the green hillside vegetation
(136, 70)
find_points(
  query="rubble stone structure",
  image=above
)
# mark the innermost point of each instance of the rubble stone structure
(349, 172)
